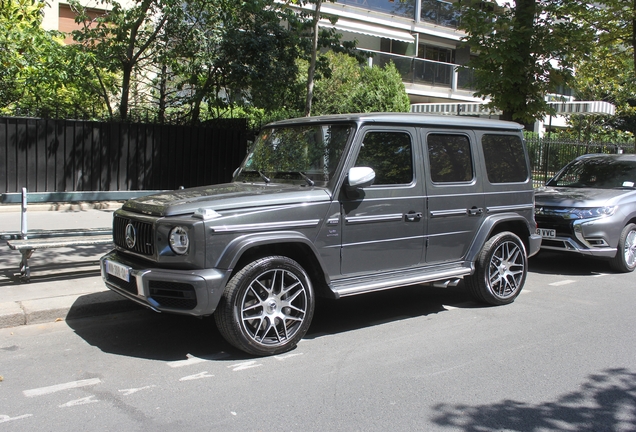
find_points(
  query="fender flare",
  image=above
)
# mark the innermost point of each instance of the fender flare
(487, 228)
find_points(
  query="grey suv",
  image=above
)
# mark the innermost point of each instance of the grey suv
(589, 208)
(333, 206)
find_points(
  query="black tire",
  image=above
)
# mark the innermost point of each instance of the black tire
(267, 306)
(625, 259)
(500, 270)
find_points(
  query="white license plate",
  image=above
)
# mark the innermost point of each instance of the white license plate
(546, 233)
(117, 270)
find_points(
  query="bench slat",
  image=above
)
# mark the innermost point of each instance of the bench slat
(41, 233)
(48, 243)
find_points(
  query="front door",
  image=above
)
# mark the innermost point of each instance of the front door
(383, 225)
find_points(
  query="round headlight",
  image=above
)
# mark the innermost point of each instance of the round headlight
(179, 241)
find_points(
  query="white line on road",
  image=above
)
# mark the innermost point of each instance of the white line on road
(59, 387)
(196, 376)
(191, 360)
(82, 401)
(563, 282)
(127, 392)
(6, 418)
(245, 365)
(286, 356)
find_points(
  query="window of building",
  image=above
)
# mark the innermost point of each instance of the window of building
(403, 8)
(505, 160)
(390, 156)
(438, 12)
(450, 158)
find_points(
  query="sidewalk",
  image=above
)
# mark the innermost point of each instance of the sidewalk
(65, 282)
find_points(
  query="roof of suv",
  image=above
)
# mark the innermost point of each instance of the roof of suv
(407, 118)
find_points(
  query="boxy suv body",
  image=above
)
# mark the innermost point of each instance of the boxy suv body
(333, 206)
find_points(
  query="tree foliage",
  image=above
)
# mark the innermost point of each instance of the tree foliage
(351, 87)
(526, 50)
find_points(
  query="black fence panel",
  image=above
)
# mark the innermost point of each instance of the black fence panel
(47, 155)
(548, 156)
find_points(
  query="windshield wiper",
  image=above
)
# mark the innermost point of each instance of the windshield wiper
(266, 179)
(309, 181)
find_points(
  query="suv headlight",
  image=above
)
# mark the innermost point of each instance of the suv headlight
(589, 213)
(179, 240)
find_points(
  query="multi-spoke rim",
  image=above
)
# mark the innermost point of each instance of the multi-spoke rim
(630, 249)
(274, 307)
(506, 270)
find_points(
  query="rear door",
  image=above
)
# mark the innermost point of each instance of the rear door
(455, 194)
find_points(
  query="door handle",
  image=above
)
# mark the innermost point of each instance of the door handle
(475, 211)
(413, 216)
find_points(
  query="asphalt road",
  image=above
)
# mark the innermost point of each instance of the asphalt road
(562, 357)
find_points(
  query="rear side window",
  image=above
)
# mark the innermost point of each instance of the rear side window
(450, 158)
(505, 158)
(390, 156)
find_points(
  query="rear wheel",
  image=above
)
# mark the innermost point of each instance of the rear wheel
(625, 259)
(500, 270)
(266, 307)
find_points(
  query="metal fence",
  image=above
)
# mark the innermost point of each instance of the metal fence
(46, 155)
(548, 156)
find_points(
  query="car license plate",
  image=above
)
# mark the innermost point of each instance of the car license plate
(546, 233)
(118, 270)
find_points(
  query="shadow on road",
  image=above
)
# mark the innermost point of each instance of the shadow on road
(605, 402)
(554, 263)
(149, 335)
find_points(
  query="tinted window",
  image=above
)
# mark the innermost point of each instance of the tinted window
(505, 158)
(450, 158)
(601, 173)
(390, 156)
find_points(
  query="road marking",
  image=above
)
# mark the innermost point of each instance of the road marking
(191, 360)
(60, 387)
(127, 392)
(82, 401)
(245, 365)
(6, 418)
(196, 376)
(563, 282)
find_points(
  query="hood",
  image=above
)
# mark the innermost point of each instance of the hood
(579, 197)
(221, 197)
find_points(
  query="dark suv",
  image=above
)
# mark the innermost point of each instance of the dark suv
(333, 206)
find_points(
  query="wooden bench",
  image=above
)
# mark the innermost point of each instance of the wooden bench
(26, 242)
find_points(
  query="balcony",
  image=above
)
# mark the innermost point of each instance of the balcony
(427, 72)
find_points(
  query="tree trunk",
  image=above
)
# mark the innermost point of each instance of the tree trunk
(312, 63)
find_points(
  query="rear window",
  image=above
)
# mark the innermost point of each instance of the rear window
(505, 158)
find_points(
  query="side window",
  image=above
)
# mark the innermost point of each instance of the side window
(450, 158)
(505, 158)
(390, 156)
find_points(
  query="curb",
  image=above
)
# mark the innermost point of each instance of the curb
(63, 308)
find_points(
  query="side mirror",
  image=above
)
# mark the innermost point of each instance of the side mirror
(360, 177)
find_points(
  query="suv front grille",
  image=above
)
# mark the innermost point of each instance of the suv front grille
(143, 235)
(563, 227)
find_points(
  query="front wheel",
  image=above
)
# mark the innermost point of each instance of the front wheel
(500, 270)
(625, 259)
(266, 307)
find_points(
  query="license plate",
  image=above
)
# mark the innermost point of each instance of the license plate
(546, 233)
(118, 270)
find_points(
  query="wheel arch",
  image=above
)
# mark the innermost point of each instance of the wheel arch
(293, 245)
(494, 225)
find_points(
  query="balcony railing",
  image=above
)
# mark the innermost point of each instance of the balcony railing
(439, 12)
(427, 72)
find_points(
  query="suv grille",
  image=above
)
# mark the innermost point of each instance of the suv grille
(143, 235)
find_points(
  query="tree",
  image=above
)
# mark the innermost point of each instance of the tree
(352, 88)
(526, 50)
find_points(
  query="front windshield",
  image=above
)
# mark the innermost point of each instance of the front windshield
(306, 153)
(599, 173)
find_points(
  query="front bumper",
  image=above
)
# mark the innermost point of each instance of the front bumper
(186, 292)
(591, 237)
